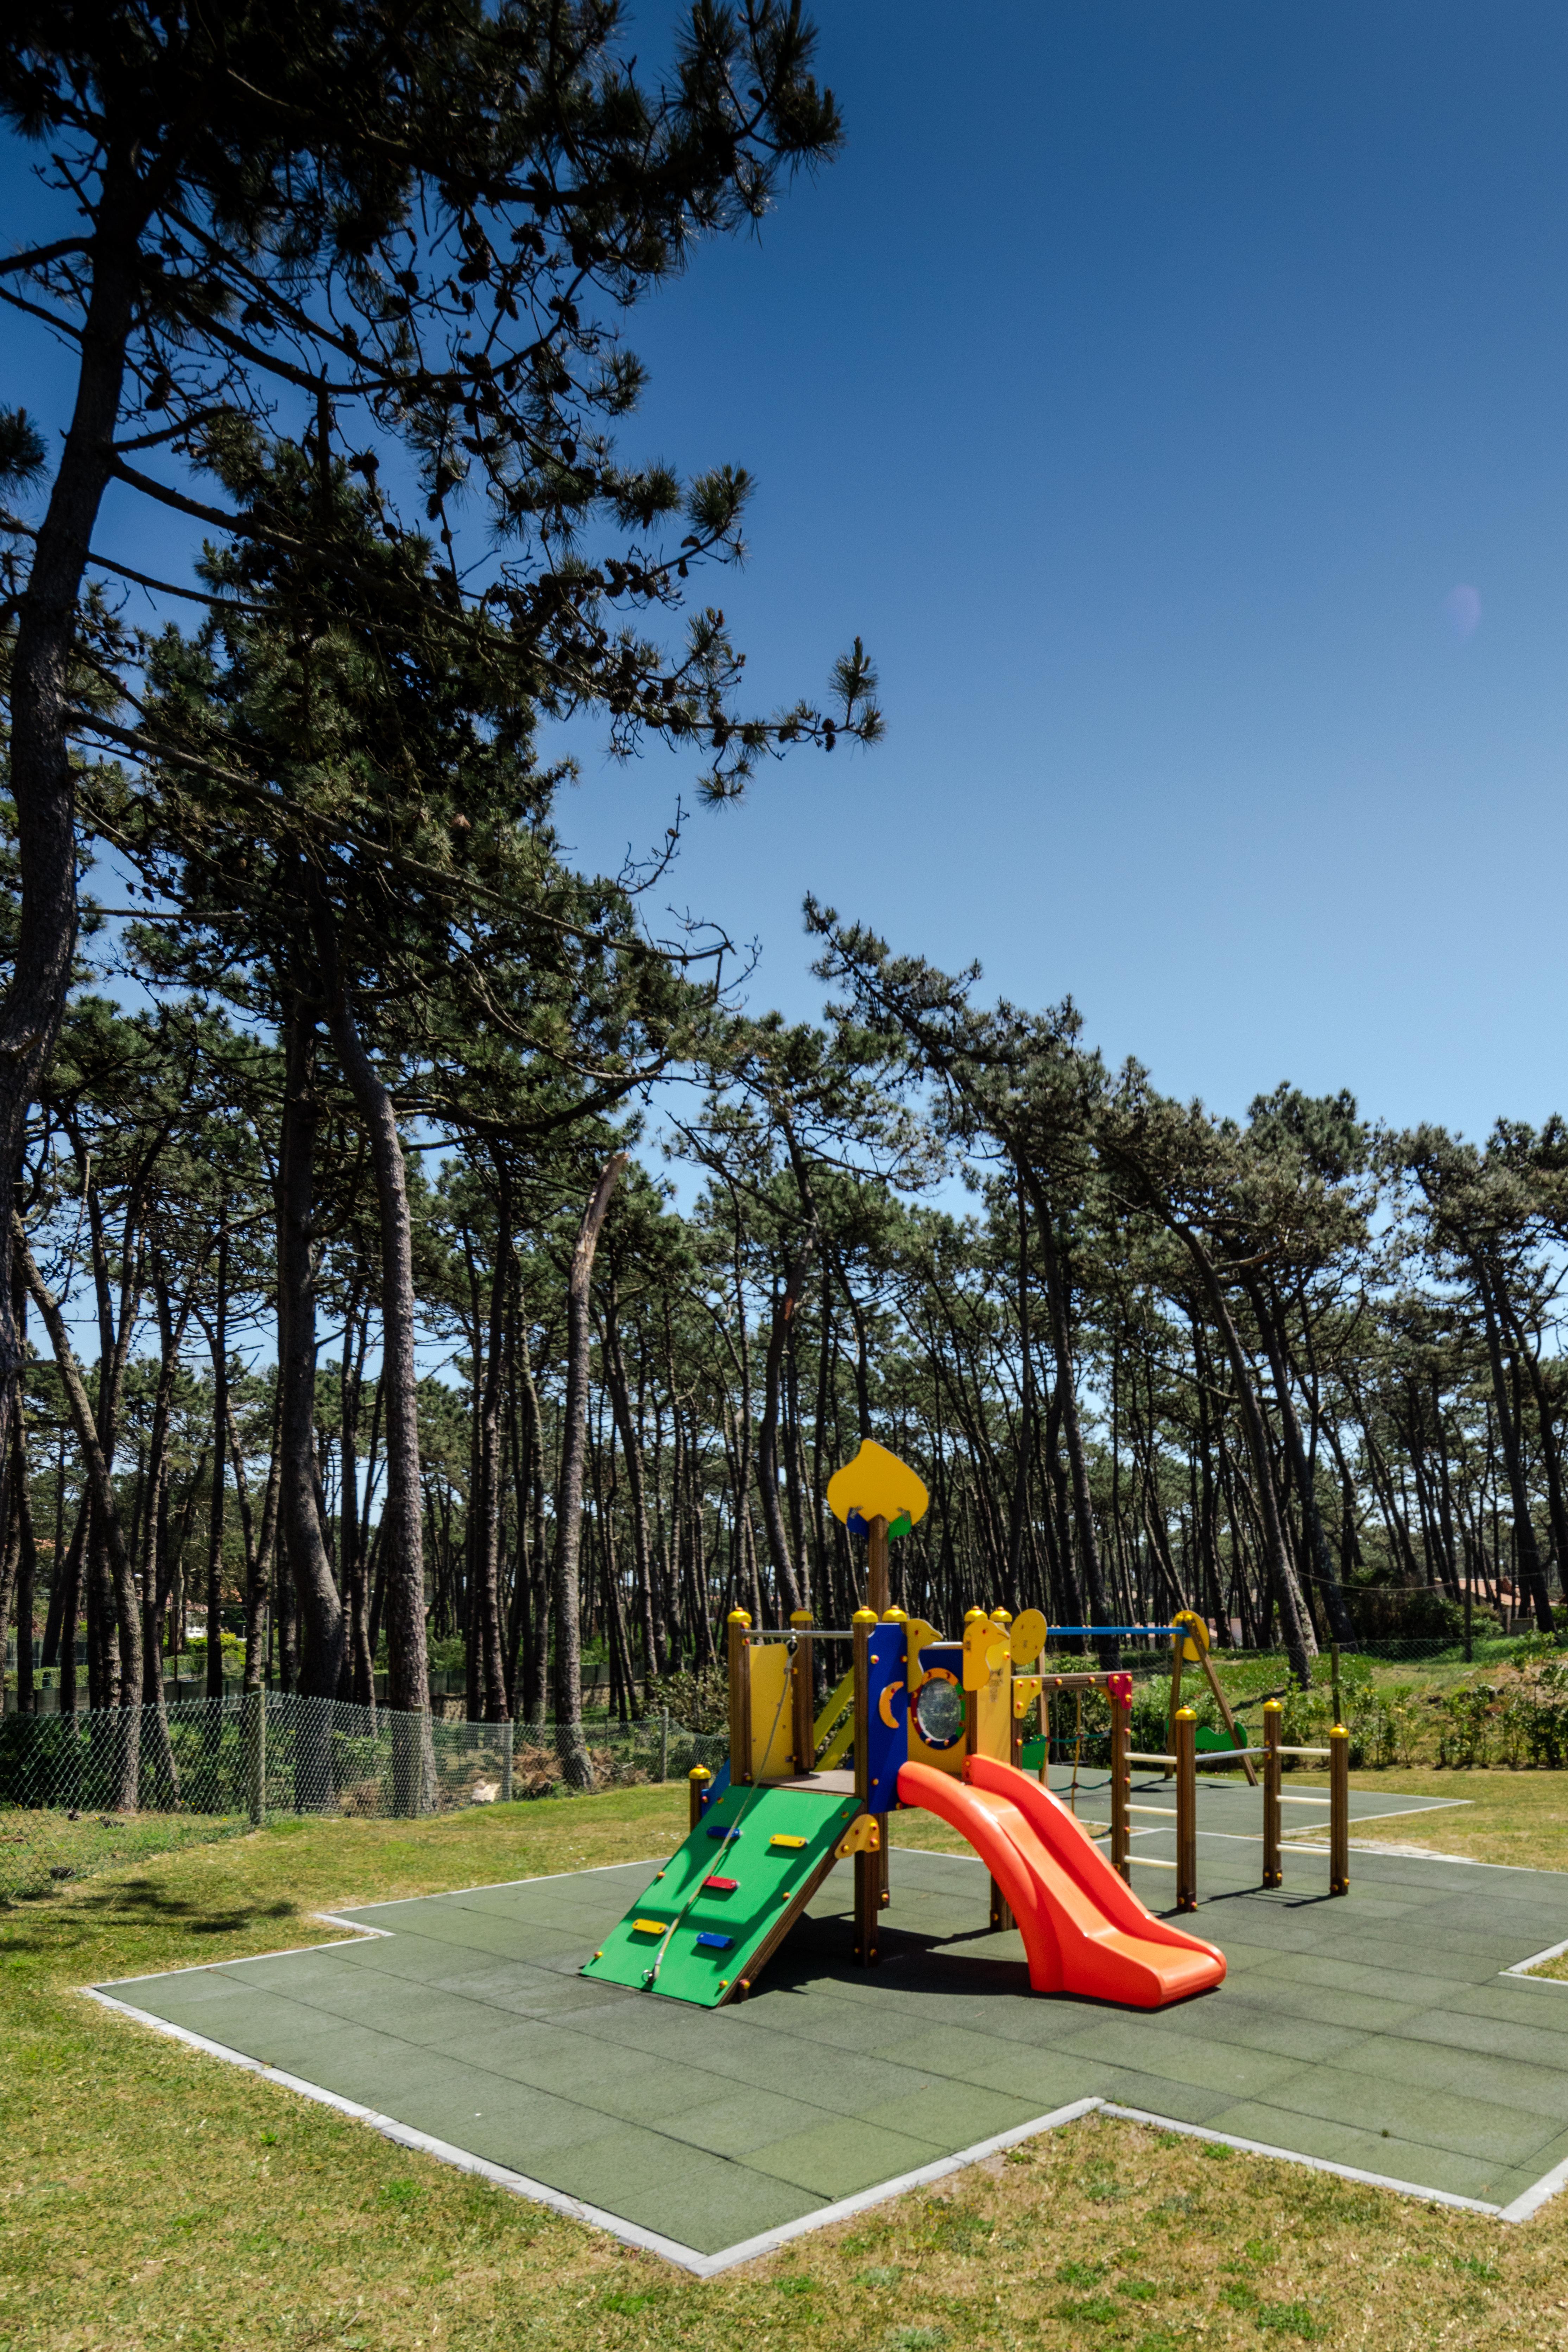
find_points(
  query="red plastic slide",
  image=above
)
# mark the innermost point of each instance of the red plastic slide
(1084, 1930)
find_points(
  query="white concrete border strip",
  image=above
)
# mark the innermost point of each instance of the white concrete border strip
(1524, 1969)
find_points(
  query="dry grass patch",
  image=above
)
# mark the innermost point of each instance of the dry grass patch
(1520, 1818)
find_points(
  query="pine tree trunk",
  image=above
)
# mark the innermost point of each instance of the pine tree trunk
(407, 1662)
(308, 1569)
(106, 1523)
(39, 773)
(572, 1748)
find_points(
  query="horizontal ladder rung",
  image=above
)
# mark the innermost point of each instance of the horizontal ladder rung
(1150, 1861)
(1166, 1812)
(1303, 1751)
(1283, 1799)
(1132, 1758)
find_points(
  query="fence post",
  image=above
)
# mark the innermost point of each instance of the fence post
(1273, 1875)
(1120, 1844)
(1339, 1811)
(664, 1744)
(255, 1718)
(508, 1738)
(1187, 1810)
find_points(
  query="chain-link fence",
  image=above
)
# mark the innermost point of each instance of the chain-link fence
(81, 1793)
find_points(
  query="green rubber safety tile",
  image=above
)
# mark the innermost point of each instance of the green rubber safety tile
(526, 2050)
(1041, 2077)
(1440, 1962)
(376, 2070)
(519, 1991)
(1543, 2159)
(472, 1931)
(959, 2113)
(185, 1989)
(667, 2029)
(412, 2018)
(844, 2081)
(292, 1973)
(1483, 2130)
(838, 2158)
(530, 2123)
(1326, 1974)
(685, 2193)
(1156, 2095)
(1414, 2161)
(1491, 2036)
(1255, 2024)
(1230, 2068)
(737, 2127)
(656, 2097)
(259, 2016)
(1361, 2012)
(1438, 2069)
(957, 2054)
(840, 2025)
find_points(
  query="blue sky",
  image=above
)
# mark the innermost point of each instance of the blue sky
(1173, 398)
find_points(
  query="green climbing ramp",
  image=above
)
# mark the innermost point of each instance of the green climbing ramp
(720, 1907)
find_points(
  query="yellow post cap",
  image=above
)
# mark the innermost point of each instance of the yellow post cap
(974, 1616)
(895, 1616)
(699, 1772)
(864, 1617)
(1338, 1732)
(800, 1617)
(739, 1617)
(1272, 1706)
(1186, 1715)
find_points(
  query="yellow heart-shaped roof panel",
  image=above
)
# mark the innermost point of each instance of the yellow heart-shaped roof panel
(877, 1485)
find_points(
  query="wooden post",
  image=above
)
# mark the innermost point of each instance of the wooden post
(1339, 1811)
(1120, 1843)
(1187, 1810)
(1273, 1875)
(1045, 1737)
(1334, 1679)
(698, 1782)
(739, 1623)
(867, 1866)
(879, 1598)
(803, 1736)
(1176, 1644)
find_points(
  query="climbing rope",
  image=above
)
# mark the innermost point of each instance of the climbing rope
(650, 1978)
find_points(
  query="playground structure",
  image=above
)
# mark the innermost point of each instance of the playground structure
(936, 1724)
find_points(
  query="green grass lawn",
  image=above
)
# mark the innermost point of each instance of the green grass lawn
(155, 2196)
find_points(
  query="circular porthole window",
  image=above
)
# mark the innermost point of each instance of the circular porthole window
(939, 1712)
